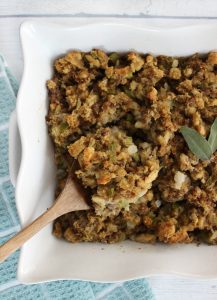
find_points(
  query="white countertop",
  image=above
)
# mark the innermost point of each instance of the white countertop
(140, 12)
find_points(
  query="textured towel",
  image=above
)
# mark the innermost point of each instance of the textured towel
(10, 288)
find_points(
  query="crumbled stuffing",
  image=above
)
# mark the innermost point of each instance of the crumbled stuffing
(116, 119)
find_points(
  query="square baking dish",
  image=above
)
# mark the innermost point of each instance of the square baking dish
(44, 257)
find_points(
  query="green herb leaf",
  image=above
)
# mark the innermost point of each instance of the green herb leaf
(63, 126)
(114, 57)
(111, 192)
(112, 148)
(212, 140)
(198, 145)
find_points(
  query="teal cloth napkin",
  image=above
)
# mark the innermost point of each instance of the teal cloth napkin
(10, 288)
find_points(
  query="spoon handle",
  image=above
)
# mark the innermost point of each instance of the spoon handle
(25, 234)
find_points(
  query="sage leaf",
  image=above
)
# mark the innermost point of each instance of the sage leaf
(212, 140)
(198, 145)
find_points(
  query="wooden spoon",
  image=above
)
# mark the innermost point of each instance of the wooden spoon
(70, 199)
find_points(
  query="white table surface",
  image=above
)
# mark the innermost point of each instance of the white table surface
(141, 12)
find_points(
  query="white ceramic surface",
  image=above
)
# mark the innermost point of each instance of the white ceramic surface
(45, 258)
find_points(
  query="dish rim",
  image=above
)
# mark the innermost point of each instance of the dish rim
(54, 25)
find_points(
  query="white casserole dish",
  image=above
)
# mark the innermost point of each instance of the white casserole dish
(44, 257)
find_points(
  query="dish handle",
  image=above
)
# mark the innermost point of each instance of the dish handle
(14, 151)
